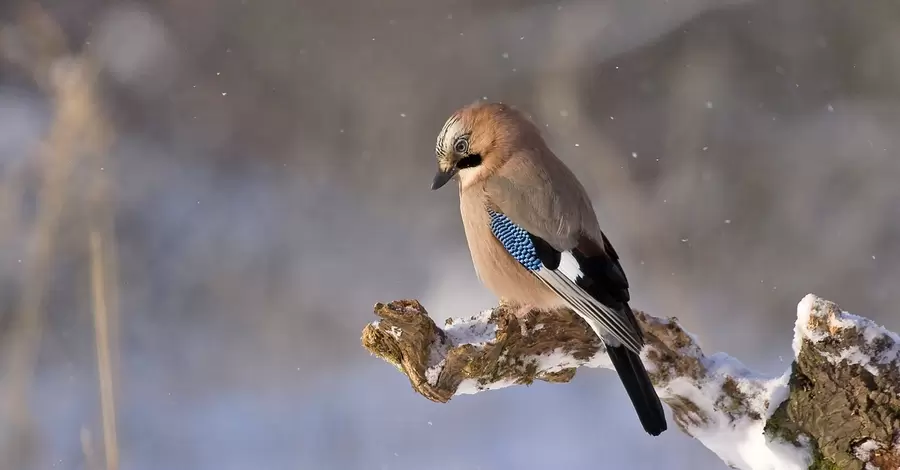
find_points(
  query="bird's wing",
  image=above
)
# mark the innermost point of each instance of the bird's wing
(551, 233)
(590, 285)
(542, 196)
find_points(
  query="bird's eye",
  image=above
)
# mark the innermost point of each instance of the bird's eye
(461, 146)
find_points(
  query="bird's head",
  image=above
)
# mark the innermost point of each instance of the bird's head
(477, 139)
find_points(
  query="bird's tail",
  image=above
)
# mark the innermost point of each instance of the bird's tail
(637, 383)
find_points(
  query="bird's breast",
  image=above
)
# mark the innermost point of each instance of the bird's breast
(495, 267)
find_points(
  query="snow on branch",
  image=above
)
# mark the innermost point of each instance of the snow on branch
(836, 407)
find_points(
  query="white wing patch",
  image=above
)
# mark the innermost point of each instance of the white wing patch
(609, 324)
(568, 265)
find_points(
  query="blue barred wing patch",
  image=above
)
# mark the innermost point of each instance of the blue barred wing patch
(516, 241)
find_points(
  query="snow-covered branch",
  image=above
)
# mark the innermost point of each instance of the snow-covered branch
(836, 407)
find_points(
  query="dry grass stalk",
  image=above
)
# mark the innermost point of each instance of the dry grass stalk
(78, 130)
(101, 340)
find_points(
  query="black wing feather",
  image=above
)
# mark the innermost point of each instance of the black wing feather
(548, 255)
(603, 278)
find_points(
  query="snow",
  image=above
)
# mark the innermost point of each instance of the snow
(864, 450)
(812, 307)
(396, 332)
(737, 438)
(557, 360)
(437, 365)
(471, 386)
(476, 330)
(551, 362)
(801, 327)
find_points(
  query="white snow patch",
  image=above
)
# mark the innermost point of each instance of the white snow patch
(432, 373)
(476, 330)
(853, 356)
(801, 326)
(396, 332)
(740, 442)
(553, 361)
(864, 451)
(649, 365)
(558, 359)
(471, 386)
(813, 306)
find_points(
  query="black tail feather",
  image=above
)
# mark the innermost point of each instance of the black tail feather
(640, 390)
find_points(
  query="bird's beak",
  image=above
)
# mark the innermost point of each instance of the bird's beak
(443, 176)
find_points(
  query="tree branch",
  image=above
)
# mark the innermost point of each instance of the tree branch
(837, 406)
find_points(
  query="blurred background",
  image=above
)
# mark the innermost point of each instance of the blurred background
(201, 201)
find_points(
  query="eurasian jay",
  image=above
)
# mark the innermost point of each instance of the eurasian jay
(534, 238)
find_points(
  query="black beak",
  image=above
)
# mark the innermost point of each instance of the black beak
(442, 177)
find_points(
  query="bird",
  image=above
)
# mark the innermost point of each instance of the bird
(534, 238)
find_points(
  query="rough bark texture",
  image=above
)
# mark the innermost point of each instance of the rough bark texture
(843, 406)
(835, 408)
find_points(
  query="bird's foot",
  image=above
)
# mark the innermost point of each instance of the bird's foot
(517, 308)
(523, 310)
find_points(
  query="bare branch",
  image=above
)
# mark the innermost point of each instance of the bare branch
(838, 405)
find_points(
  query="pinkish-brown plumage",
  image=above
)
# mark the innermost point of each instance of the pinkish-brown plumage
(512, 185)
(524, 179)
